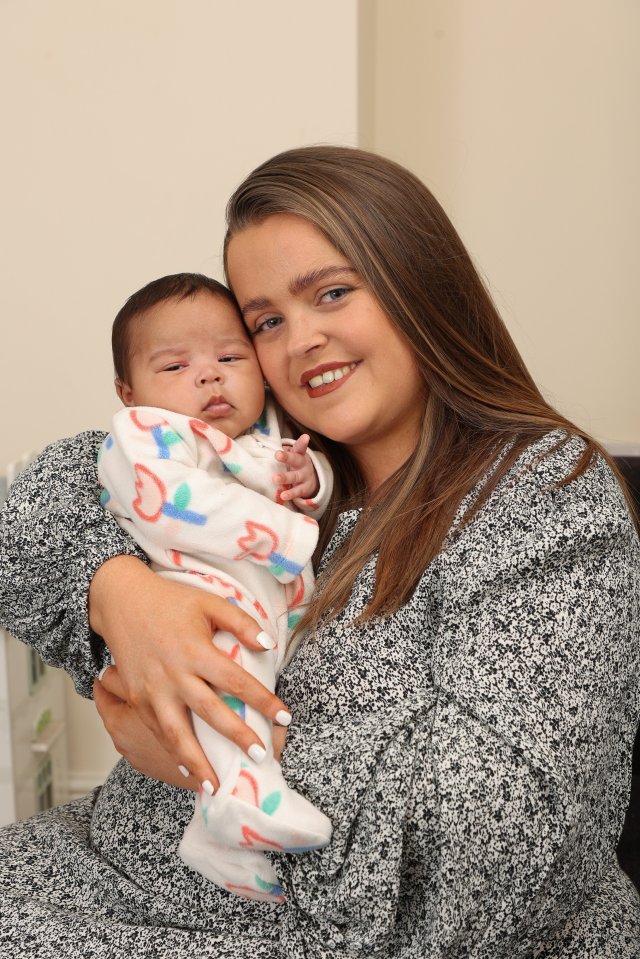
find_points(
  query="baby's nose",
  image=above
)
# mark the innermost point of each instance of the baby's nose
(210, 374)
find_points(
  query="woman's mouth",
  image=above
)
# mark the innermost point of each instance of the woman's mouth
(324, 379)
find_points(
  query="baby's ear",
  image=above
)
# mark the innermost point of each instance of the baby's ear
(125, 392)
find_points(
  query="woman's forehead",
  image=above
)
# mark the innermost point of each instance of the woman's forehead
(283, 241)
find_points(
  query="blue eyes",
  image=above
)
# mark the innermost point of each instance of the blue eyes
(331, 296)
(269, 324)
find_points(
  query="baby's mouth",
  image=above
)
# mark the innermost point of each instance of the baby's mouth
(217, 406)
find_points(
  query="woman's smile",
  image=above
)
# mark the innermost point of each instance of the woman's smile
(326, 377)
(331, 355)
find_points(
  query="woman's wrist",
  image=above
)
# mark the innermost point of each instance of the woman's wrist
(111, 581)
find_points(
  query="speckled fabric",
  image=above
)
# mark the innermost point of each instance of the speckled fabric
(472, 750)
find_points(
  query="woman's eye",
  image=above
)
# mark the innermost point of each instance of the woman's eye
(270, 323)
(173, 367)
(337, 293)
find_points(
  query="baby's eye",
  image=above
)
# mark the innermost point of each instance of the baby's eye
(270, 323)
(337, 293)
(229, 359)
(173, 367)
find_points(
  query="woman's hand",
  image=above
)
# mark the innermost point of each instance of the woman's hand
(131, 737)
(159, 633)
(278, 736)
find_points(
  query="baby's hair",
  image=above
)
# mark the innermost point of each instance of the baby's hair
(177, 286)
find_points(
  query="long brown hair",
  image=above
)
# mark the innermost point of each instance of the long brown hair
(480, 400)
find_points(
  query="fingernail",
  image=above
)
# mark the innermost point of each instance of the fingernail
(265, 641)
(185, 772)
(207, 786)
(283, 718)
(257, 753)
(103, 671)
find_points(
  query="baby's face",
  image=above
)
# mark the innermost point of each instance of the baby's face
(193, 356)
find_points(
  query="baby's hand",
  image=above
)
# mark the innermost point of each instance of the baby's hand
(300, 480)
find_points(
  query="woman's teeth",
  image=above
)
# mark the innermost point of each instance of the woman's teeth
(330, 376)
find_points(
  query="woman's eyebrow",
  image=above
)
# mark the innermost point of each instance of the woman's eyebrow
(298, 285)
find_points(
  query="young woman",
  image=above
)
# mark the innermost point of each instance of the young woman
(466, 694)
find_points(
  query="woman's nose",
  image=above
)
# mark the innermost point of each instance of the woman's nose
(304, 336)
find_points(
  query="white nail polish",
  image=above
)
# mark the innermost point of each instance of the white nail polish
(257, 753)
(283, 718)
(185, 772)
(265, 641)
(103, 671)
(208, 787)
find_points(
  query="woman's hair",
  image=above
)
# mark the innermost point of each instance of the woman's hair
(481, 406)
(177, 286)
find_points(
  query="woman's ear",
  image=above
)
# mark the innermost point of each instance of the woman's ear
(125, 392)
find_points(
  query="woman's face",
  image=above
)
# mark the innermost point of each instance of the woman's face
(330, 354)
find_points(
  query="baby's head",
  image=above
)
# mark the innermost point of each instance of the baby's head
(180, 344)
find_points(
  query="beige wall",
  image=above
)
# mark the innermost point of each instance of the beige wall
(128, 124)
(125, 127)
(524, 119)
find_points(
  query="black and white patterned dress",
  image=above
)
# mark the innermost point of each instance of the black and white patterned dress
(472, 750)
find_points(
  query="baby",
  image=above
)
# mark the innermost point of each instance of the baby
(189, 470)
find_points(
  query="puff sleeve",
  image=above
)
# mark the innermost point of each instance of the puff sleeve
(54, 535)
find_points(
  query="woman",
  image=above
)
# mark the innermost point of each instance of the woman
(466, 696)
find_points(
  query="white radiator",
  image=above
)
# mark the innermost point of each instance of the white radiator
(33, 743)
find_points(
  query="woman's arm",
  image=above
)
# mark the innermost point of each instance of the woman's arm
(54, 535)
(160, 636)
(57, 541)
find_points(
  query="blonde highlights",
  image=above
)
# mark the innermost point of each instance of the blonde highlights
(480, 400)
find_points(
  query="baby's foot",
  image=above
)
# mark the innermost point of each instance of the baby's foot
(255, 809)
(241, 871)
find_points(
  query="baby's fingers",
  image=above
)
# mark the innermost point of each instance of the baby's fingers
(301, 445)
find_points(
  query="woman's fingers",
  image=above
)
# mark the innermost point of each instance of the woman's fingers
(278, 735)
(134, 740)
(110, 682)
(167, 663)
(223, 673)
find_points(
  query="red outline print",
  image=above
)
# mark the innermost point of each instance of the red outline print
(199, 428)
(294, 599)
(224, 589)
(175, 557)
(145, 422)
(311, 504)
(250, 834)
(260, 610)
(253, 538)
(235, 653)
(221, 443)
(152, 490)
(310, 519)
(279, 491)
(246, 788)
